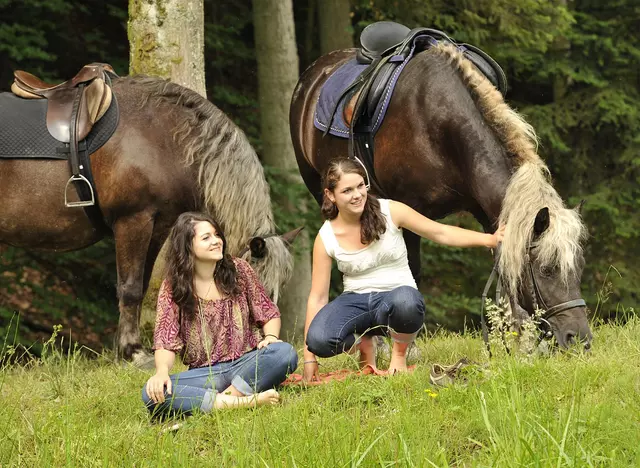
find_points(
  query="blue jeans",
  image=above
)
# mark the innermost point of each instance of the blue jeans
(253, 372)
(332, 330)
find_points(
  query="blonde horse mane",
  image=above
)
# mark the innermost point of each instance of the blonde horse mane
(529, 188)
(230, 176)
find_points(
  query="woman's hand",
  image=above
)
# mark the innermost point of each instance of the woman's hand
(155, 387)
(497, 236)
(310, 372)
(268, 339)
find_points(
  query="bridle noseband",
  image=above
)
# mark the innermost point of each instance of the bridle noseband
(536, 296)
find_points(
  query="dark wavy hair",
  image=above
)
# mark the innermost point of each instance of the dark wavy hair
(181, 263)
(372, 222)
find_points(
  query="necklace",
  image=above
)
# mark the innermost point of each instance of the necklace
(204, 337)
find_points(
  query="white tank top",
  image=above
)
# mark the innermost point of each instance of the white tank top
(380, 266)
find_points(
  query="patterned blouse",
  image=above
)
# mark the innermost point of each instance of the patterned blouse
(223, 329)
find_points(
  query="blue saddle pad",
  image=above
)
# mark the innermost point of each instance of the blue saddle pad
(340, 80)
(329, 94)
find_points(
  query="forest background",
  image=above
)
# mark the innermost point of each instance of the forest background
(573, 70)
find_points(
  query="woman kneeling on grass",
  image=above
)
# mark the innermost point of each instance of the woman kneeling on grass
(210, 309)
(364, 235)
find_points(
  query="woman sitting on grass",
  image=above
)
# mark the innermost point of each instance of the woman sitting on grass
(364, 235)
(213, 310)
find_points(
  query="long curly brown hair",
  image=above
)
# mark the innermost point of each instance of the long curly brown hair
(181, 263)
(372, 222)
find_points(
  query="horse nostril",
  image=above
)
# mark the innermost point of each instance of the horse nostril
(570, 338)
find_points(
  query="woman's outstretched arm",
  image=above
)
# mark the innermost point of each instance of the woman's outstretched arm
(408, 218)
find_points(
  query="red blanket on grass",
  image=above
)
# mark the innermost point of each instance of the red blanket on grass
(338, 375)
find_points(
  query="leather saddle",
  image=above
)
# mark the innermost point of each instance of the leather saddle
(73, 107)
(385, 44)
(90, 86)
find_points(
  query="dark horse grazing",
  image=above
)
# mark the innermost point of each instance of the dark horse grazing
(173, 151)
(450, 143)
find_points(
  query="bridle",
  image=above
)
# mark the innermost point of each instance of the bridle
(536, 296)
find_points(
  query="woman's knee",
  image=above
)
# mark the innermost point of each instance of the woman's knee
(285, 355)
(319, 343)
(407, 309)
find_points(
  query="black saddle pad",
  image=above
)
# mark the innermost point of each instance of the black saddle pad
(24, 134)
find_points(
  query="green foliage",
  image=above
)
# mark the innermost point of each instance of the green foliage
(77, 289)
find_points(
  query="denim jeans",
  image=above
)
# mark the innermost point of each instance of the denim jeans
(253, 372)
(332, 330)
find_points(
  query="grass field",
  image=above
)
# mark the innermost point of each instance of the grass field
(564, 410)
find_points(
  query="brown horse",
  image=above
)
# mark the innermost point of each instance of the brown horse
(173, 151)
(449, 143)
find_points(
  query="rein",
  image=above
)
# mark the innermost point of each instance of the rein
(536, 297)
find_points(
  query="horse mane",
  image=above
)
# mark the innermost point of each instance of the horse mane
(230, 175)
(529, 188)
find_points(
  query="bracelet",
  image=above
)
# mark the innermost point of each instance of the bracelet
(271, 334)
(309, 362)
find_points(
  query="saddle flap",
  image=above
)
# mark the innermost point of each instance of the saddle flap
(59, 111)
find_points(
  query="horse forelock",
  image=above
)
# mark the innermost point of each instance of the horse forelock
(518, 136)
(231, 179)
(559, 246)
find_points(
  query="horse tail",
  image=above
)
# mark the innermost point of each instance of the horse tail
(518, 136)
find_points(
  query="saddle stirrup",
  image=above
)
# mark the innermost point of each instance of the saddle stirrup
(74, 204)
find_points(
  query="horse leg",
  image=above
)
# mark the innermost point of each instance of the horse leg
(133, 239)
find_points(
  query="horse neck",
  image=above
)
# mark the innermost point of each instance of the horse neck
(484, 164)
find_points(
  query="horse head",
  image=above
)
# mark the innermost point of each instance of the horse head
(556, 293)
(549, 280)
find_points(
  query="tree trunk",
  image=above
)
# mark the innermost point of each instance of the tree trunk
(277, 76)
(166, 39)
(336, 31)
(560, 50)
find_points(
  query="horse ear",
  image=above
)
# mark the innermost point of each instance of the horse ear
(579, 206)
(289, 237)
(258, 247)
(541, 223)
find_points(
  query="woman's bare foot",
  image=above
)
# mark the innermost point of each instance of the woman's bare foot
(398, 362)
(268, 397)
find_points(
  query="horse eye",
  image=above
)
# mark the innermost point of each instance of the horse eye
(546, 271)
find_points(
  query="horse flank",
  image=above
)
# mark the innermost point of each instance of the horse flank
(529, 188)
(229, 174)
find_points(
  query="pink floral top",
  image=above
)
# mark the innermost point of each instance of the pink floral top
(231, 325)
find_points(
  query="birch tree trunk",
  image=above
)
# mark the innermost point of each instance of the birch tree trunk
(166, 39)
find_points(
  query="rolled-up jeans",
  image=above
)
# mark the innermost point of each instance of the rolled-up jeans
(399, 312)
(253, 372)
